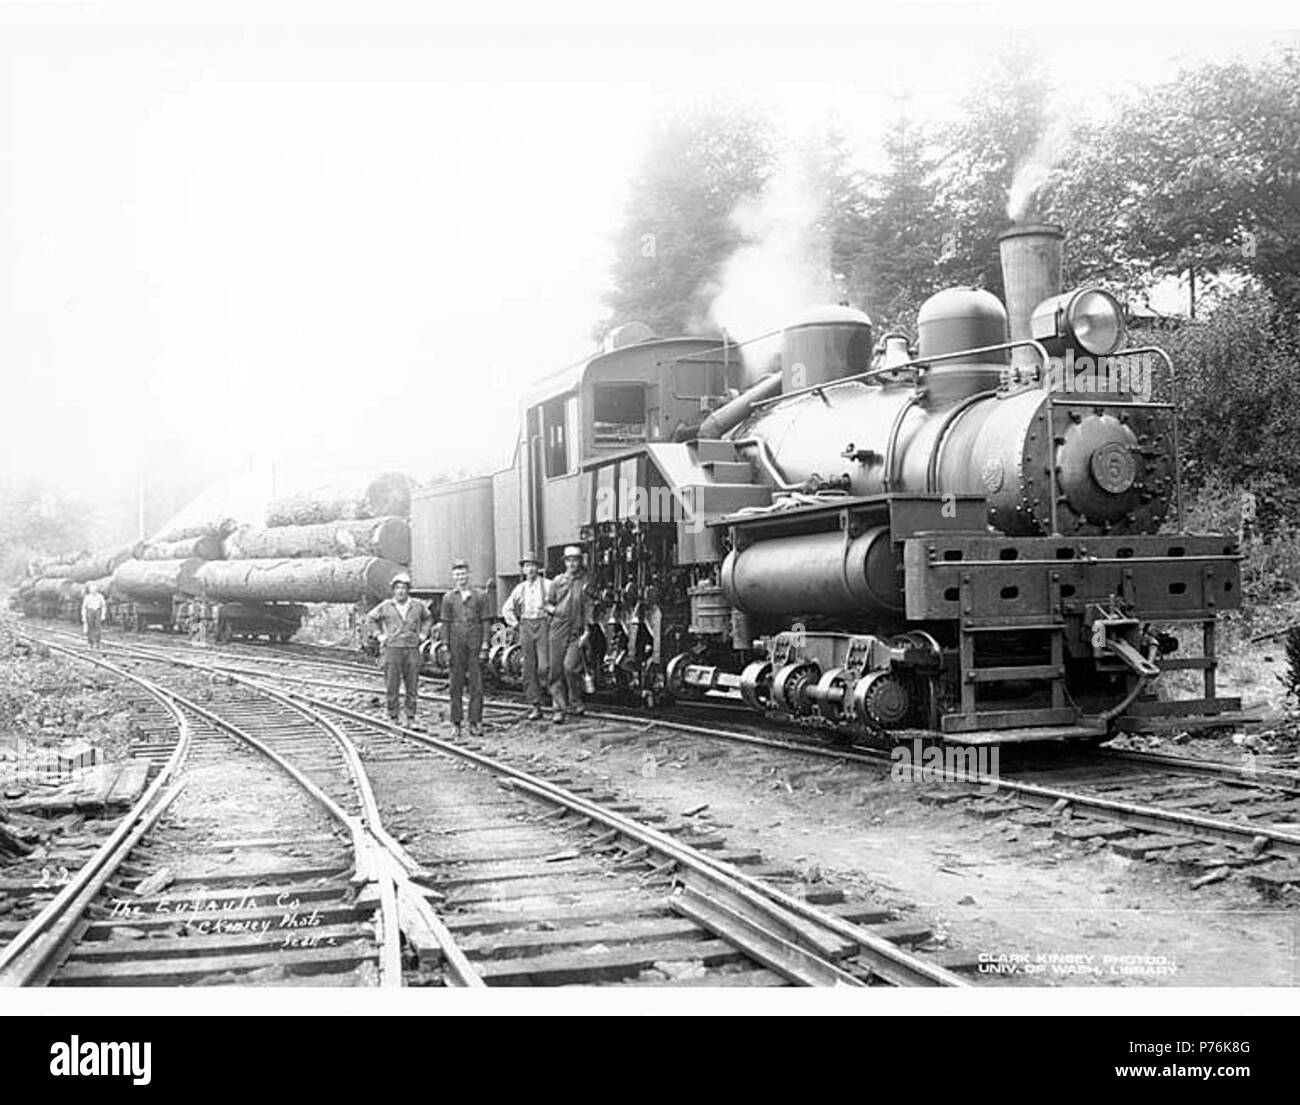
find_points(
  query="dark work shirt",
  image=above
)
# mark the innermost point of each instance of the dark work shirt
(573, 606)
(463, 618)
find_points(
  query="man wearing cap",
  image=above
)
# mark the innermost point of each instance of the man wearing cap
(570, 610)
(526, 609)
(402, 625)
(465, 611)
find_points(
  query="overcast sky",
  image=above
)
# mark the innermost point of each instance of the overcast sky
(325, 235)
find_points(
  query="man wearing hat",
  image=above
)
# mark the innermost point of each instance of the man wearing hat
(402, 625)
(526, 609)
(571, 611)
(465, 611)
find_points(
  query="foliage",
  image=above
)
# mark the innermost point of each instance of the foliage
(33, 520)
(677, 229)
(903, 242)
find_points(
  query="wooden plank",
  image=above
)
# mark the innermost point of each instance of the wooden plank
(621, 906)
(129, 784)
(506, 870)
(248, 881)
(759, 976)
(861, 913)
(1140, 846)
(178, 972)
(268, 935)
(906, 933)
(552, 889)
(616, 964)
(325, 912)
(512, 944)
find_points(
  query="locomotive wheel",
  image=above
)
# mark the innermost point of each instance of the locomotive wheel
(674, 676)
(788, 686)
(756, 685)
(881, 699)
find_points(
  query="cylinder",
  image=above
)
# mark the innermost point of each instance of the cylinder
(388, 538)
(817, 573)
(1031, 273)
(321, 579)
(156, 579)
(828, 344)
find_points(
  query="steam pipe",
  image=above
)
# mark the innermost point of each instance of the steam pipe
(731, 414)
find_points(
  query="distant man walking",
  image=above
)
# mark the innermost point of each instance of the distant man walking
(465, 611)
(402, 625)
(571, 613)
(93, 608)
(526, 609)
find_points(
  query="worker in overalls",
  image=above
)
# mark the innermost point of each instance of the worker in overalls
(465, 612)
(525, 609)
(571, 612)
(402, 625)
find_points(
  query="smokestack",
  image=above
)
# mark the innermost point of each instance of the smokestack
(1031, 272)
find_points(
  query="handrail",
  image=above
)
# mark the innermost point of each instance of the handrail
(916, 364)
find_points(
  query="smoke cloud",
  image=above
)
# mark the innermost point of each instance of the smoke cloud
(783, 266)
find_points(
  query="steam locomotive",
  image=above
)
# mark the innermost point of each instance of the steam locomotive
(865, 536)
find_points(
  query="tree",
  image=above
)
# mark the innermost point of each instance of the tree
(677, 230)
(1200, 175)
(996, 151)
(34, 520)
(904, 239)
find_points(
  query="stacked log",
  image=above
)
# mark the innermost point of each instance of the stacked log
(317, 579)
(99, 565)
(387, 495)
(386, 538)
(157, 579)
(218, 528)
(53, 588)
(42, 566)
(208, 546)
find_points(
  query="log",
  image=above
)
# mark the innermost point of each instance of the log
(387, 538)
(356, 579)
(217, 527)
(51, 587)
(386, 495)
(206, 547)
(99, 565)
(156, 579)
(39, 566)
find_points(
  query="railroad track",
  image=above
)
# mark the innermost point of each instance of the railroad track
(536, 880)
(171, 897)
(1209, 819)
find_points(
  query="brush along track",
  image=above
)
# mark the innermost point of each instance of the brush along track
(543, 885)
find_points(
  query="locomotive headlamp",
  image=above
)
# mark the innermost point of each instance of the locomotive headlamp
(1087, 318)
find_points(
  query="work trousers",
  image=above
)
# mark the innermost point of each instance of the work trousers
(402, 667)
(566, 666)
(533, 639)
(465, 667)
(94, 628)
